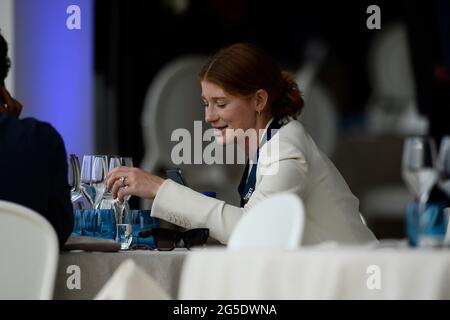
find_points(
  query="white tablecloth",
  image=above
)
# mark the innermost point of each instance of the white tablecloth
(97, 267)
(318, 273)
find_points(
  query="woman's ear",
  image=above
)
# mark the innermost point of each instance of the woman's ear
(261, 97)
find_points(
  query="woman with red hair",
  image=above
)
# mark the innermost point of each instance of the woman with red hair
(244, 90)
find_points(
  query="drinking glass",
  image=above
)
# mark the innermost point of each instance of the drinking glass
(74, 175)
(141, 220)
(115, 162)
(124, 235)
(420, 174)
(443, 165)
(86, 179)
(126, 162)
(98, 181)
(78, 197)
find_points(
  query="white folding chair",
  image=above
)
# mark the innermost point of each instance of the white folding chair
(275, 223)
(29, 254)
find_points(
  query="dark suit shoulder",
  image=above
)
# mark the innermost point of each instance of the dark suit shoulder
(40, 129)
(35, 167)
(21, 128)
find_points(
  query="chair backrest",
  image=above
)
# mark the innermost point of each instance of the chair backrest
(390, 69)
(275, 223)
(29, 254)
(173, 101)
(392, 107)
(319, 115)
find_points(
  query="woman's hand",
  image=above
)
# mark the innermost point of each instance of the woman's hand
(124, 181)
(9, 104)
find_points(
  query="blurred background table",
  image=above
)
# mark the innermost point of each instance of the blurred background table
(97, 267)
(318, 273)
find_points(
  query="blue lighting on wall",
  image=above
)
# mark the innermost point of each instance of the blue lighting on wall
(54, 68)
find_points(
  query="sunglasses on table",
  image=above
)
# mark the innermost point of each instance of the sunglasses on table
(169, 239)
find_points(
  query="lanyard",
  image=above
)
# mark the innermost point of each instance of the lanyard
(247, 186)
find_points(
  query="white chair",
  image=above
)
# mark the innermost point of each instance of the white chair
(392, 106)
(392, 113)
(29, 254)
(173, 101)
(275, 223)
(319, 115)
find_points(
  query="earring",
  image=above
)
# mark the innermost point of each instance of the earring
(259, 112)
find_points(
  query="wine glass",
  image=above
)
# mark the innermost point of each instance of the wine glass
(86, 179)
(78, 197)
(115, 162)
(419, 172)
(127, 162)
(443, 165)
(73, 173)
(98, 180)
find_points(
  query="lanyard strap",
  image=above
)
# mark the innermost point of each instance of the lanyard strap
(247, 186)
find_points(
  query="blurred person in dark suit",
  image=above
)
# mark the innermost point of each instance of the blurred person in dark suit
(33, 162)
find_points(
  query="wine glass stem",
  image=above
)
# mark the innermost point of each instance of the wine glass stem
(423, 199)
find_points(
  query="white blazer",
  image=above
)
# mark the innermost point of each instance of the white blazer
(289, 162)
